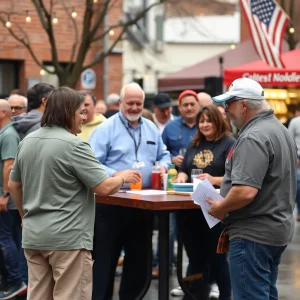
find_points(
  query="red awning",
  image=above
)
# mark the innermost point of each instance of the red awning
(269, 76)
(193, 77)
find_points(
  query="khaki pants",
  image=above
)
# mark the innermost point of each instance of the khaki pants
(59, 275)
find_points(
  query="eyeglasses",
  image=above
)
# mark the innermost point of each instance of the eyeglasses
(228, 103)
(17, 107)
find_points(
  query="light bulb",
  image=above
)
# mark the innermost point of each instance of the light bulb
(232, 47)
(292, 30)
(28, 19)
(42, 72)
(111, 32)
(55, 20)
(8, 24)
(95, 1)
(74, 13)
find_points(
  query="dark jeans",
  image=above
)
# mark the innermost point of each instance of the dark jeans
(117, 227)
(201, 244)
(254, 270)
(17, 235)
(9, 250)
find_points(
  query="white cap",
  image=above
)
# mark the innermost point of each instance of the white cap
(243, 88)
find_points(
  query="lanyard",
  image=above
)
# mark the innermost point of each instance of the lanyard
(137, 146)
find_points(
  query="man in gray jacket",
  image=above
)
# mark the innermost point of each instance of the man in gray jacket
(37, 98)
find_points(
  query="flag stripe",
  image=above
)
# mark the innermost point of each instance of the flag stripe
(264, 43)
(273, 23)
(273, 51)
(278, 32)
(253, 32)
(267, 22)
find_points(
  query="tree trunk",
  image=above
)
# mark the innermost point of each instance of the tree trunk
(63, 80)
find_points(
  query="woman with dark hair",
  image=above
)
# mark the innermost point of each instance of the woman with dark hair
(52, 183)
(207, 151)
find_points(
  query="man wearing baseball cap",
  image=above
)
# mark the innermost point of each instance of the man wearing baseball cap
(259, 190)
(162, 107)
(179, 132)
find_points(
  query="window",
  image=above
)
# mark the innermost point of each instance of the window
(9, 76)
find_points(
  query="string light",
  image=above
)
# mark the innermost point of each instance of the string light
(95, 1)
(54, 20)
(111, 32)
(28, 18)
(8, 23)
(292, 30)
(232, 46)
(74, 13)
(42, 72)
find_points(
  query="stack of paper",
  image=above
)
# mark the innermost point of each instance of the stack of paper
(204, 189)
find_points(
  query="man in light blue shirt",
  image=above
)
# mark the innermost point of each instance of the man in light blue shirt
(119, 142)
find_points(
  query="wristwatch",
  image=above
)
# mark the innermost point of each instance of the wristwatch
(5, 194)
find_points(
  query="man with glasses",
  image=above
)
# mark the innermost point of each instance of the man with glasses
(11, 282)
(26, 123)
(18, 104)
(259, 190)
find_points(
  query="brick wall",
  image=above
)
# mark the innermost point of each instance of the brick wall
(64, 36)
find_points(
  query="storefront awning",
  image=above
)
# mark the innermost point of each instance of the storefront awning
(266, 75)
(193, 76)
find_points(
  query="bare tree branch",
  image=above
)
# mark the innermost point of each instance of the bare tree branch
(102, 55)
(128, 23)
(85, 40)
(39, 4)
(27, 46)
(75, 44)
(100, 19)
(40, 13)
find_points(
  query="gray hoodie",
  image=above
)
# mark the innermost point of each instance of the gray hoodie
(27, 123)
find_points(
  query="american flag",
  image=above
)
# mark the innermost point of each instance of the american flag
(267, 22)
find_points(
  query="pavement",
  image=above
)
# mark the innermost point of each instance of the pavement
(288, 282)
(288, 278)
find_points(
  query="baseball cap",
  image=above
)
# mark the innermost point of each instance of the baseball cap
(162, 100)
(243, 88)
(188, 92)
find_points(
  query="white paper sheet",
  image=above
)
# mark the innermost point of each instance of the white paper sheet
(206, 190)
(147, 192)
(195, 183)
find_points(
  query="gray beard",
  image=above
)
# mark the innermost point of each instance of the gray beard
(133, 118)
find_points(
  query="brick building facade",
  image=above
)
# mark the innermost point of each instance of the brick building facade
(17, 67)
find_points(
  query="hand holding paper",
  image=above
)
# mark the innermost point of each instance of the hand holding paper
(203, 191)
(215, 209)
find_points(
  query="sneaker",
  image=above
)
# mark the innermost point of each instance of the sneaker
(214, 291)
(12, 291)
(177, 292)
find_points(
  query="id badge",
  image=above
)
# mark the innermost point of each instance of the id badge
(140, 164)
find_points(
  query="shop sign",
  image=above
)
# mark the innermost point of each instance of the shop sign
(88, 79)
(274, 77)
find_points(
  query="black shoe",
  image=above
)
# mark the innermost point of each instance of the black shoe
(13, 290)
